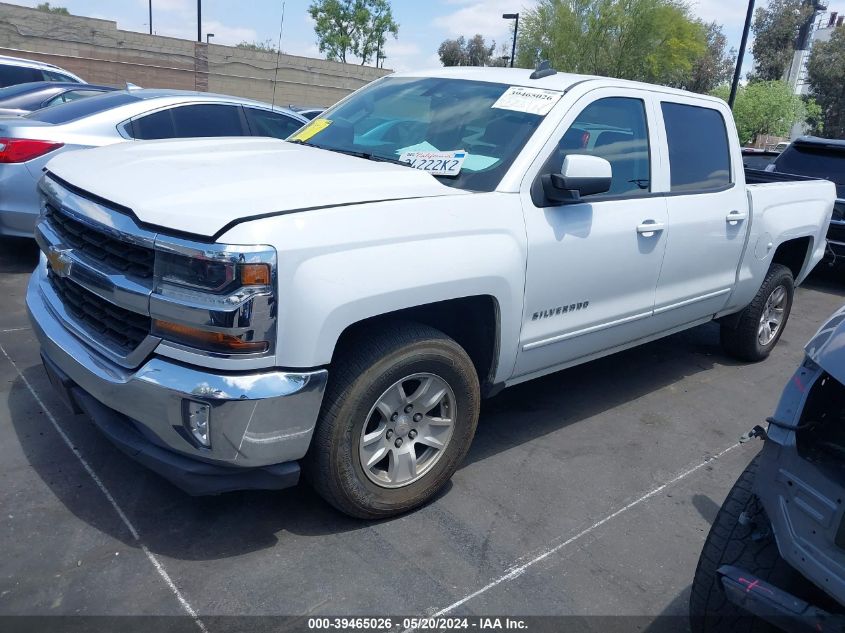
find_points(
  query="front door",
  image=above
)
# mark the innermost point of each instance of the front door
(593, 267)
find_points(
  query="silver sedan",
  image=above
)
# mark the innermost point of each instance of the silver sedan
(28, 143)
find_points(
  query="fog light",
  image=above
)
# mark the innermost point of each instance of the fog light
(197, 418)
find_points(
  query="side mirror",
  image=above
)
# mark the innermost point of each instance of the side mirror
(580, 175)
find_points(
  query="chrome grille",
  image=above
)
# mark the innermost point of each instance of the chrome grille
(99, 247)
(122, 329)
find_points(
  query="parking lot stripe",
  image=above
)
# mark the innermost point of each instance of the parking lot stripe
(134, 532)
(13, 329)
(519, 568)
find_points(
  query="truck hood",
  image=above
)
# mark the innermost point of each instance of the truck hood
(200, 186)
(827, 347)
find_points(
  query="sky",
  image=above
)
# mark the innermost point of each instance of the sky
(423, 24)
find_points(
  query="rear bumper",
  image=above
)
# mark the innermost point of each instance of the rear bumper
(259, 421)
(19, 205)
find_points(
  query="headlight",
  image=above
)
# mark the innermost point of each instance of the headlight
(214, 298)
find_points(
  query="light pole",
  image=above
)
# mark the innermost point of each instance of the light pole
(208, 37)
(199, 20)
(151, 17)
(515, 17)
(741, 55)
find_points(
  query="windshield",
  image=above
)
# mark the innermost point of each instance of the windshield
(405, 117)
(73, 110)
(819, 162)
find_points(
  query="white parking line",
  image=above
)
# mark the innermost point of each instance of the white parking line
(134, 532)
(519, 568)
(14, 329)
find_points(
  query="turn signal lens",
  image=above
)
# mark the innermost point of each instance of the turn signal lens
(211, 341)
(20, 150)
(255, 274)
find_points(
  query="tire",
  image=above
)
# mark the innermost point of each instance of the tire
(365, 378)
(749, 545)
(744, 341)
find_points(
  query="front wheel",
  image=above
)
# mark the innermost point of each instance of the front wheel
(397, 419)
(761, 324)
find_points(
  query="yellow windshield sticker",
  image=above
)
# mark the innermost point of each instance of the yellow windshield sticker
(312, 129)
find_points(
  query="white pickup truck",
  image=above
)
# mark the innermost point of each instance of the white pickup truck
(229, 311)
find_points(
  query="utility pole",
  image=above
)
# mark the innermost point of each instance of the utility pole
(741, 55)
(515, 17)
(199, 21)
(151, 17)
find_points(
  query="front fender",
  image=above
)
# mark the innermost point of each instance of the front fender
(340, 266)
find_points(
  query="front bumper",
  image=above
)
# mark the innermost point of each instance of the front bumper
(260, 421)
(774, 605)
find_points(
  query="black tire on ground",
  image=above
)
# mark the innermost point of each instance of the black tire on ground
(742, 342)
(368, 365)
(748, 545)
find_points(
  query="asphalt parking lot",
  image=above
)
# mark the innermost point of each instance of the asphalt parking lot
(588, 492)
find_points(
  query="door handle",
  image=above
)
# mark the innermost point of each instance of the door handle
(735, 217)
(649, 227)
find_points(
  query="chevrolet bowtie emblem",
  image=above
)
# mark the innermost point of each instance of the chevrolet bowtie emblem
(60, 261)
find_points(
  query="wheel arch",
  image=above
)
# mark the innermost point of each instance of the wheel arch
(795, 254)
(474, 322)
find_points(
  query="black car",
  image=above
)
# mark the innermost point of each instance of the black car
(815, 157)
(25, 98)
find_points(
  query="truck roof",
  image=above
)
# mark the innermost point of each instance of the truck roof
(558, 81)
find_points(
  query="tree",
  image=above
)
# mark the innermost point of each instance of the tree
(826, 77)
(714, 67)
(45, 6)
(765, 108)
(649, 40)
(352, 27)
(463, 52)
(267, 46)
(775, 29)
(453, 52)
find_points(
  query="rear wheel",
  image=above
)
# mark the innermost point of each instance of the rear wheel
(761, 324)
(397, 419)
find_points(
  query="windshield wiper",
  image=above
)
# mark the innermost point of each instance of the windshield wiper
(352, 152)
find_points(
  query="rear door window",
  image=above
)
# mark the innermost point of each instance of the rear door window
(13, 75)
(51, 75)
(193, 121)
(699, 154)
(274, 124)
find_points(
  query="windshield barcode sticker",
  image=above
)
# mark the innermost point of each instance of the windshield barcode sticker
(528, 100)
(436, 163)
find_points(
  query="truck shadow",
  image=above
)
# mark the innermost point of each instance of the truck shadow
(188, 528)
(182, 527)
(17, 255)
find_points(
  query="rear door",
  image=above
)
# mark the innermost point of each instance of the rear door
(707, 207)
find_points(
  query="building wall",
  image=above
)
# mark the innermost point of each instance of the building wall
(99, 52)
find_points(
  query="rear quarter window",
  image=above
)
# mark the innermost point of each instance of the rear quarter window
(699, 153)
